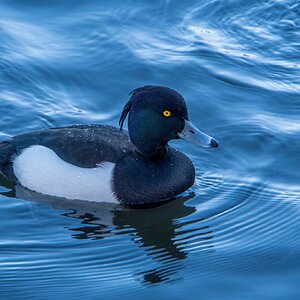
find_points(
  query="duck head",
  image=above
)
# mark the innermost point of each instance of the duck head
(157, 115)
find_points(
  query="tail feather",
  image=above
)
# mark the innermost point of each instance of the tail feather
(7, 150)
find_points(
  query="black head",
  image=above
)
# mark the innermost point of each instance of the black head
(156, 115)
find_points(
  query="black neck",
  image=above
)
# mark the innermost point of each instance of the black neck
(159, 153)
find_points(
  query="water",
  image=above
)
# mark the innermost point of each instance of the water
(235, 234)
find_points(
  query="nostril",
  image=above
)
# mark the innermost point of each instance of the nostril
(192, 131)
(214, 143)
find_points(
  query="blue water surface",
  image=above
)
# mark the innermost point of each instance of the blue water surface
(235, 234)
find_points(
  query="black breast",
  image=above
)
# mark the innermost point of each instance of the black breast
(140, 180)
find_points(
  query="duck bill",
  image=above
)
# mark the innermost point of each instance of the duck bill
(192, 134)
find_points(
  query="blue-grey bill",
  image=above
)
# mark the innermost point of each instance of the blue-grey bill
(193, 134)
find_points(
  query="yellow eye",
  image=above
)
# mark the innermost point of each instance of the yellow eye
(167, 113)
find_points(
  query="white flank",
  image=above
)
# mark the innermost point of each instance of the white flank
(40, 169)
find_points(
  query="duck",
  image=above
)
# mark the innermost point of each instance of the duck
(135, 167)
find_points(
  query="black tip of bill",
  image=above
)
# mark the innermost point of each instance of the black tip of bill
(214, 143)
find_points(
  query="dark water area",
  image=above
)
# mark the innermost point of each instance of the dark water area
(236, 233)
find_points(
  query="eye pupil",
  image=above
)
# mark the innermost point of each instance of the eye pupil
(167, 113)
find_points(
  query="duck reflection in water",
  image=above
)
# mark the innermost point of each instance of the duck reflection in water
(158, 231)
